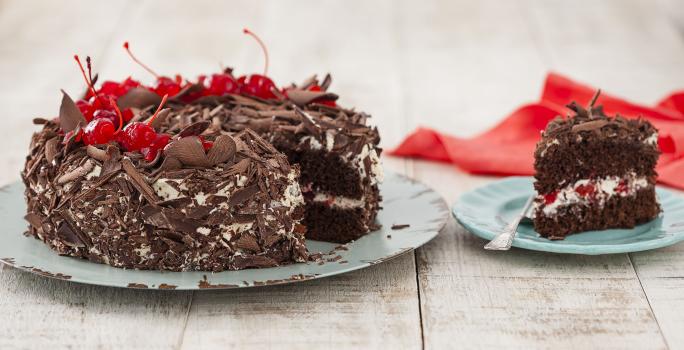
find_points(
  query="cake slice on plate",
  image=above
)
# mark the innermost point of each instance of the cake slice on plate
(594, 172)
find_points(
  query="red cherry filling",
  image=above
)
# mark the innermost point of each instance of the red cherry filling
(621, 187)
(586, 190)
(550, 197)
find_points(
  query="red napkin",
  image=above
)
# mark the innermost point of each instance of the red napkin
(507, 149)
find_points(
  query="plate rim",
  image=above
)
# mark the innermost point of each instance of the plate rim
(549, 246)
(440, 218)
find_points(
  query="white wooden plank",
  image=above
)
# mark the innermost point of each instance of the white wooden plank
(518, 299)
(375, 308)
(37, 43)
(368, 308)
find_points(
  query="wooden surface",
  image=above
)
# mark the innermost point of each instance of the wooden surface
(458, 66)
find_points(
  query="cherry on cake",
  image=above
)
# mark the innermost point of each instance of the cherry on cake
(594, 172)
(221, 173)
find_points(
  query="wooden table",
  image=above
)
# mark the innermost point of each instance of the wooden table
(458, 66)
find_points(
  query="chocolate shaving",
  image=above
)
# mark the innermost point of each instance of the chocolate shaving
(68, 236)
(194, 129)
(590, 125)
(138, 181)
(69, 114)
(97, 153)
(138, 97)
(327, 80)
(400, 226)
(240, 196)
(79, 171)
(248, 242)
(223, 150)
(51, 149)
(160, 119)
(304, 97)
(189, 151)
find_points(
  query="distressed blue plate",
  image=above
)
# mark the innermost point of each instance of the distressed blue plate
(420, 212)
(486, 211)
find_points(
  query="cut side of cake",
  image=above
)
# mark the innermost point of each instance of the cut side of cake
(334, 147)
(594, 172)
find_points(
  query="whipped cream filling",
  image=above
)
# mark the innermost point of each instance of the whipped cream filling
(589, 191)
(376, 173)
(339, 201)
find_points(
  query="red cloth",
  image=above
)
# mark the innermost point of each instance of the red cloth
(508, 148)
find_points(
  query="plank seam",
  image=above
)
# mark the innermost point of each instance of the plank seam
(420, 300)
(650, 307)
(185, 322)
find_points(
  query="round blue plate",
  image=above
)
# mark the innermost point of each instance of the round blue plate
(412, 215)
(486, 211)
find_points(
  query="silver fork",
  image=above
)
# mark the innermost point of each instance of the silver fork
(504, 240)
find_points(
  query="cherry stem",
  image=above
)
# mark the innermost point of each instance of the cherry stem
(85, 77)
(161, 104)
(118, 113)
(136, 60)
(263, 47)
(591, 103)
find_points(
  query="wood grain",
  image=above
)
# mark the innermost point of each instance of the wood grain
(458, 66)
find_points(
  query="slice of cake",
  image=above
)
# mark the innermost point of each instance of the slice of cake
(594, 172)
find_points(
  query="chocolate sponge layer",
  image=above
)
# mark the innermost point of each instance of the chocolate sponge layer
(617, 212)
(581, 147)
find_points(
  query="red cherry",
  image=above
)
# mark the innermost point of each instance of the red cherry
(106, 114)
(330, 103)
(168, 86)
(103, 102)
(86, 109)
(118, 89)
(257, 85)
(136, 136)
(98, 132)
(150, 152)
(550, 197)
(127, 115)
(222, 84)
(206, 144)
(586, 190)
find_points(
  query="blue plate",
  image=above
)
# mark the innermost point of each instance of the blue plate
(486, 211)
(412, 215)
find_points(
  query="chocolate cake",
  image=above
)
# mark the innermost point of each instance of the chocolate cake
(223, 173)
(594, 172)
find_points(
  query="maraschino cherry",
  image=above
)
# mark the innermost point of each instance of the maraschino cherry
(165, 85)
(256, 84)
(316, 87)
(141, 136)
(100, 131)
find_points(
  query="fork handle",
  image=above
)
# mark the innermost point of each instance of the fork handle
(504, 240)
